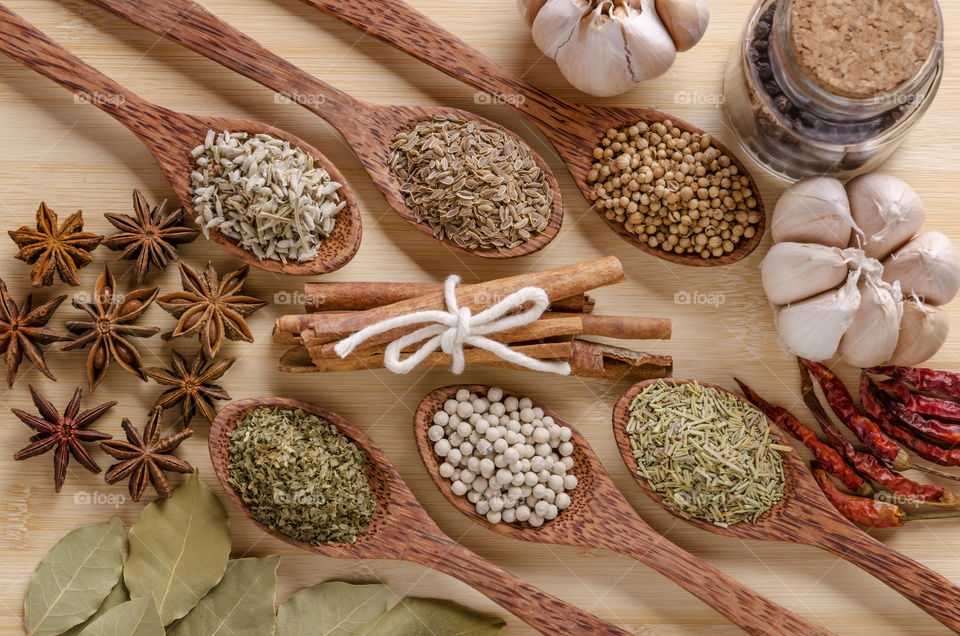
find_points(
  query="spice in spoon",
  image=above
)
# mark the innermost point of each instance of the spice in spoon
(707, 453)
(471, 183)
(264, 193)
(300, 476)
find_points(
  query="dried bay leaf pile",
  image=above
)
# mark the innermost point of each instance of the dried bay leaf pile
(179, 579)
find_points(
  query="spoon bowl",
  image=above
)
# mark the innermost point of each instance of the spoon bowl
(368, 128)
(573, 129)
(171, 136)
(805, 516)
(401, 529)
(600, 517)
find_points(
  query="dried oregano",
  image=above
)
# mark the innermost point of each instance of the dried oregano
(300, 476)
(706, 452)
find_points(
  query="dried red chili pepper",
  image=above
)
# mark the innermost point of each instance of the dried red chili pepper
(877, 404)
(922, 404)
(862, 510)
(945, 432)
(865, 463)
(867, 431)
(930, 380)
(827, 456)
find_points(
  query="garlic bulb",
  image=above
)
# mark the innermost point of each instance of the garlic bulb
(928, 267)
(529, 10)
(886, 209)
(813, 328)
(923, 330)
(603, 47)
(794, 271)
(872, 337)
(686, 20)
(813, 210)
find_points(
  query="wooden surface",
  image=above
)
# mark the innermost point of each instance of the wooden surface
(73, 156)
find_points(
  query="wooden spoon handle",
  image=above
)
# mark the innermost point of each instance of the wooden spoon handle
(192, 26)
(26, 44)
(926, 589)
(545, 613)
(754, 613)
(399, 24)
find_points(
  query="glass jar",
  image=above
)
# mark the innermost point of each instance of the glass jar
(788, 113)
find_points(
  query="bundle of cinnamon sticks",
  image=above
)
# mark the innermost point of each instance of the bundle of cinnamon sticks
(338, 309)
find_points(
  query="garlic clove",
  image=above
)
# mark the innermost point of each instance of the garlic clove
(923, 331)
(928, 266)
(791, 272)
(813, 328)
(813, 210)
(886, 209)
(685, 20)
(557, 22)
(872, 336)
(529, 10)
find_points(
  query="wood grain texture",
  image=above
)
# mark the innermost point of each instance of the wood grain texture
(402, 530)
(171, 136)
(600, 517)
(74, 156)
(573, 129)
(368, 128)
(805, 516)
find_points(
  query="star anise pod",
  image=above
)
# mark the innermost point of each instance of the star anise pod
(64, 249)
(109, 327)
(151, 237)
(145, 458)
(65, 433)
(23, 330)
(210, 307)
(192, 385)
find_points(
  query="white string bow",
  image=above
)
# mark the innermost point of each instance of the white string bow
(458, 327)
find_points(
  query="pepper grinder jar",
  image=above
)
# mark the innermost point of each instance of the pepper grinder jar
(832, 87)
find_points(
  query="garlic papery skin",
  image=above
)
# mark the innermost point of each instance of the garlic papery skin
(685, 20)
(886, 209)
(604, 47)
(872, 337)
(928, 267)
(813, 328)
(923, 330)
(529, 10)
(791, 272)
(813, 210)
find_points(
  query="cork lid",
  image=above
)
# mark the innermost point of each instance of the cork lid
(863, 48)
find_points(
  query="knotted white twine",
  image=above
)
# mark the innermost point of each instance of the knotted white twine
(457, 327)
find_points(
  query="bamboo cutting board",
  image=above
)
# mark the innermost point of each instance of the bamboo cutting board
(75, 157)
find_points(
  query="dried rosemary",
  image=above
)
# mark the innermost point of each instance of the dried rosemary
(472, 183)
(708, 454)
(300, 476)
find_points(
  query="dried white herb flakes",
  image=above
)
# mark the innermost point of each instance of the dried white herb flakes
(707, 453)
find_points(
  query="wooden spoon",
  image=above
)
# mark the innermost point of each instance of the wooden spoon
(805, 516)
(171, 136)
(573, 129)
(402, 530)
(600, 517)
(368, 128)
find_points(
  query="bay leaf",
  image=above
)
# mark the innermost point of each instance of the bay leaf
(74, 578)
(243, 602)
(331, 609)
(116, 596)
(432, 617)
(179, 548)
(138, 617)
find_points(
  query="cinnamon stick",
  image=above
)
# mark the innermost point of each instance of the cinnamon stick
(542, 351)
(560, 282)
(360, 296)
